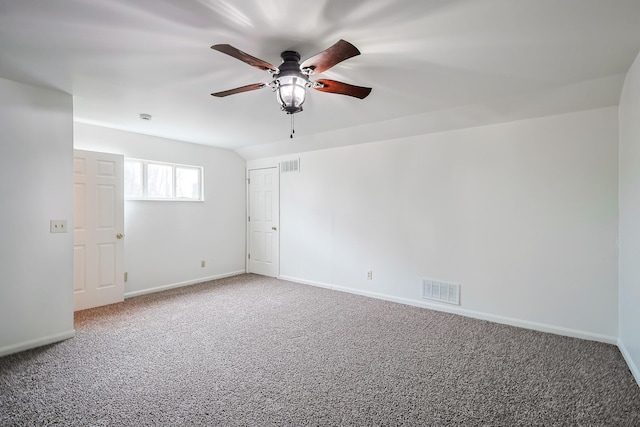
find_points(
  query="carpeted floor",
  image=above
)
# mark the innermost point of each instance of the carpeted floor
(255, 351)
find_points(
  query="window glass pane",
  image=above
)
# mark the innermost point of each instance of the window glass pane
(144, 179)
(159, 181)
(132, 179)
(187, 183)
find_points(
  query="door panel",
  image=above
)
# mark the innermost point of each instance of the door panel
(107, 265)
(264, 213)
(105, 208)
(98, 219)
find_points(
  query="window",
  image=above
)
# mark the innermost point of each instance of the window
(159, 181)
(133, 179)
(149, 180)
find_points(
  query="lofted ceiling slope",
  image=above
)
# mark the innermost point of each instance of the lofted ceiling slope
(433, 64)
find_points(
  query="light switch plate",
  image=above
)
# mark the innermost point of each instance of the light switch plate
(58, 226)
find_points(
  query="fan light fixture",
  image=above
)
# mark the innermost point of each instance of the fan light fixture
(291, 92)
(291, 79)
(290, 83)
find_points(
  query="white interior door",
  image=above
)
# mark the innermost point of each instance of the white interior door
(98, 197)
(264, 218)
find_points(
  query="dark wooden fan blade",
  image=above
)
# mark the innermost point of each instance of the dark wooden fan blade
(335, 54)
(244, 57)
(333, 86)
(241, 89)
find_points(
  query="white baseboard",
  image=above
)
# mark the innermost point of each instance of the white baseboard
(306, 282)
(542, 327)
(627, 357)
(181, 284)
(38, 342)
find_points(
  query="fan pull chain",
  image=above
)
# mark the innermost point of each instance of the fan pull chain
(292, 129)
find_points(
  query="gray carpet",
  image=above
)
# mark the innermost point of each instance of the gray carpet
(254, 351)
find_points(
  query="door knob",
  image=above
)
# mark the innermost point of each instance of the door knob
(274, 228)
(119, 236)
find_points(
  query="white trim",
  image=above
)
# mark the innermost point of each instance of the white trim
(306, 282)
(181, 284)
(38, 342)
(627, 357)
(542, 327)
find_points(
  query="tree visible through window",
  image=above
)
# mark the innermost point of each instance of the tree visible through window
(159, 181)
(149, 180)
(187, 182)
(133, 172)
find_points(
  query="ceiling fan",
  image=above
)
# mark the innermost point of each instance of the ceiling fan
(291, 79)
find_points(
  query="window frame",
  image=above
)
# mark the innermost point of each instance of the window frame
(145, 181)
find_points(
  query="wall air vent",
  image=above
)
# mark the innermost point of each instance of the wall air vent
(287, 166)
(441, 291)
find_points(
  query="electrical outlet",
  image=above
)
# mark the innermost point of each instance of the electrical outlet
(58, 226)
(369, 275)
(202, 263)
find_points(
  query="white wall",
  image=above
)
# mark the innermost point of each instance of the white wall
(165, 241)
(630, 219)
(523, 215)
(36, 178)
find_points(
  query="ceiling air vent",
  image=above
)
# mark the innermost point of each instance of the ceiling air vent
(441, 291)
(287, 166)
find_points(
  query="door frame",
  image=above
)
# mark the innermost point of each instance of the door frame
(247, 261)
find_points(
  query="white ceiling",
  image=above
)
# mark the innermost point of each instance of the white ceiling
(432, 64)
